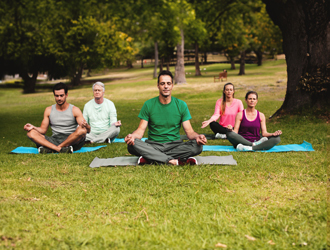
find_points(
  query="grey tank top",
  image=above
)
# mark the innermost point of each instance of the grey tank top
(62, 122)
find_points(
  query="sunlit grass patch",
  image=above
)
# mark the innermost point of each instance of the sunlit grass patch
(267, 201)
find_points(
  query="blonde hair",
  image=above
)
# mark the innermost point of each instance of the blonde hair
(223, 102)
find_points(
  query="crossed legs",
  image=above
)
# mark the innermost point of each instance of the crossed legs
(111, 133)
(71, 140)
(217, 128)
(164, 152)
(236, 139)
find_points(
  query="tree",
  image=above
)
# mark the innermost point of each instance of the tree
(234, 40)
(265, 35)
(180, 77)
(22, 34)
(81, 41)
(58, 37)
(185, 14)
(225, 23)
(152, 23)
(166, 33)
(196, 34)
(305, 29)
(146, 50)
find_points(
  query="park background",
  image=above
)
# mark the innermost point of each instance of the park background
(267, 201)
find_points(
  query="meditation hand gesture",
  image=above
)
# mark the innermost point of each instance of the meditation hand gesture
(201, 140)
(129, 139)
(118, 123)
(277, 133)
(230, 127)
(206, 123)
(84, 124)
(28, 127)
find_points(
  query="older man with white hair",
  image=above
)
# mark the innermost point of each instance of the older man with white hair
(100, 113)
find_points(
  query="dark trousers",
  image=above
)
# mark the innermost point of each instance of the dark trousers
(164, 152)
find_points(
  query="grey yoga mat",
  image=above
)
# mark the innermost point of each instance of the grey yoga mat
(132, 160)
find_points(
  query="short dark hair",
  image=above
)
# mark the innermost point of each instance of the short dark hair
(165, 73)
(59, 86)
(249, 93)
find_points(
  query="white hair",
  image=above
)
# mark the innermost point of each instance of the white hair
(99, 84)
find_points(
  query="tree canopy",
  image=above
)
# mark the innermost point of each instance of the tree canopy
(65, 37)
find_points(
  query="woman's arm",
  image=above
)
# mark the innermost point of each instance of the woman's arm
(264, 129)
(215, 116)
(238, 121)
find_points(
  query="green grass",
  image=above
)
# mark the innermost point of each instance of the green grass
(57, 201)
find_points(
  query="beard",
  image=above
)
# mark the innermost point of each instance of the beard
(60, 103)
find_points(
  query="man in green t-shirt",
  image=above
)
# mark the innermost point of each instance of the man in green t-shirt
(163, 115)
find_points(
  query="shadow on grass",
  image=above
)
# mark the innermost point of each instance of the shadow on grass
(41, 86)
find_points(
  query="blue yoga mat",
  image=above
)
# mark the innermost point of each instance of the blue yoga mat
(32, 150)
(122, 140)
(305, 146)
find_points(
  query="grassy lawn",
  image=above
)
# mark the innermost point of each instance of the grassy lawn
(267, 201)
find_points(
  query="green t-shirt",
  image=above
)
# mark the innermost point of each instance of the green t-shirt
(164, 120)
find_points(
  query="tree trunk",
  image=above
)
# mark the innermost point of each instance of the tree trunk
(156, 60)
(180, 77)
(259, 57)
(305, 29)
(161, 64)
(89, 73)
(197, 69)
(232, 63)
(29, 82)
(129, 63)
(242, 64)
(205, 57)
(142, 62)
(168, 63)
(77, 76)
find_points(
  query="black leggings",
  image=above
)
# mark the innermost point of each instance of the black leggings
(217, 128)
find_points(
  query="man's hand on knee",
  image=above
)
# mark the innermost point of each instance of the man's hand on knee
(28, 127)
(118, 123)
(201, 140)
(129, 139)
(81, 131)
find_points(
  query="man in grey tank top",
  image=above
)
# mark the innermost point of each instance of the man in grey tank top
(63, 118)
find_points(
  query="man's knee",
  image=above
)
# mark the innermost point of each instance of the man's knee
(117, 130)
(199, 149)
(196, 149)
(131, 150)
(81, 131)
(31, 134)
(137, 148)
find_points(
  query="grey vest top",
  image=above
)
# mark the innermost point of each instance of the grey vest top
(62, 122)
